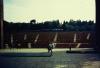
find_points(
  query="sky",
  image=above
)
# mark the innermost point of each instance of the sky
(48, 10)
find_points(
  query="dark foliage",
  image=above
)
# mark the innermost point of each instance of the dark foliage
(54, 25)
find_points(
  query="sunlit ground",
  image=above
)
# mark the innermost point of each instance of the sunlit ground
(59, 59)
(38, 50)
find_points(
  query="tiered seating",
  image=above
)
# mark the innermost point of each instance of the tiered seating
(81, 37)
(64, 37)
(92, 38)
(85, 45)
(44, 39)
(66, 45)
(19, 40)
(7, 40)
(31, 37)
(86, 39)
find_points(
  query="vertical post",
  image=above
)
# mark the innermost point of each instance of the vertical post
(97, 46)
(70, 48)
(1, 23)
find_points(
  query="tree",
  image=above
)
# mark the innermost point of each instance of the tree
(33, 21)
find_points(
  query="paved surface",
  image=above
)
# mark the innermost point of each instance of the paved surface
(60, 59)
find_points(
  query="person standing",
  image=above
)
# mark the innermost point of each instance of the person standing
(70, 48)
(50, 47)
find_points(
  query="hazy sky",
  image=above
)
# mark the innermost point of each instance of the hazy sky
(42, 10)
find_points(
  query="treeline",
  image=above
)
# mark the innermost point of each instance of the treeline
(54, 25)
